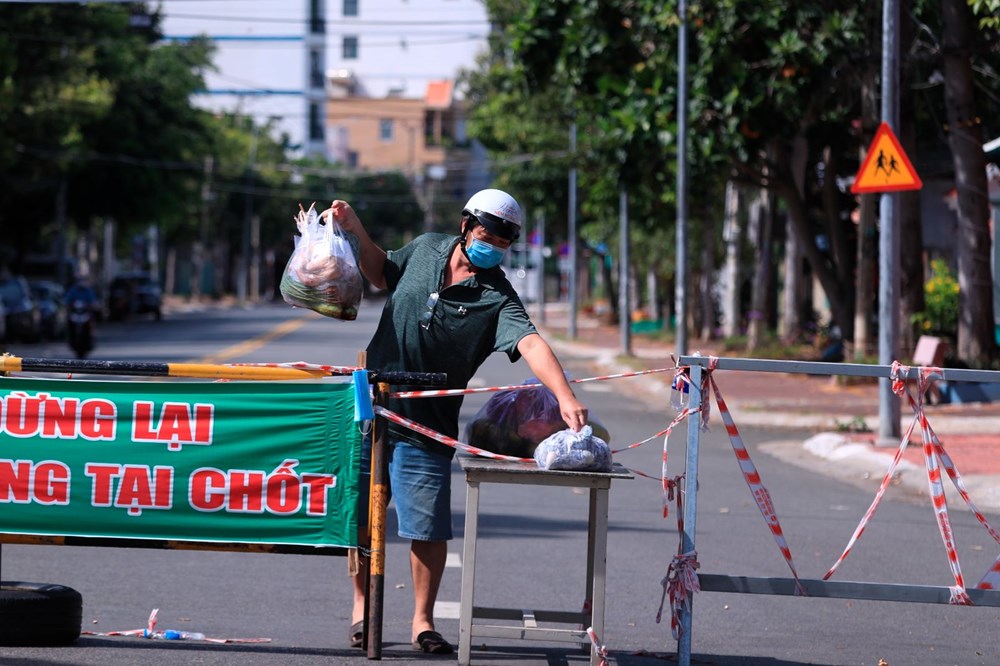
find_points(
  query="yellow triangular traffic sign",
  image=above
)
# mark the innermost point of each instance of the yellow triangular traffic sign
(886, 167)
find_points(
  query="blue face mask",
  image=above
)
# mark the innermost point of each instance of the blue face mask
(482, 254)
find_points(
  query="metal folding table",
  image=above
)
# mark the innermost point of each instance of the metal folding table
(484, 470)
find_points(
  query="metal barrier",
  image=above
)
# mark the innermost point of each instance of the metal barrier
(698, 367)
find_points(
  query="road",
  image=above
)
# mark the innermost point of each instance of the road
(531, 545)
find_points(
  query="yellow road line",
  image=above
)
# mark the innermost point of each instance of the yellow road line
(253, 344)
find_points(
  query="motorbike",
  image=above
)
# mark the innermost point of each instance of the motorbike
(80, 328)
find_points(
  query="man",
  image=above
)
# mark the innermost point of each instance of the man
(81, 290)
(448, 308)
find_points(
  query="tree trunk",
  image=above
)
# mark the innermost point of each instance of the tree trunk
(841, 312)
(975, 300)
(708, 280)
(911, 256)
(836, 228)
(864, 287)
(762, 224)
(654, 304)
(795, 288)
(732, 235)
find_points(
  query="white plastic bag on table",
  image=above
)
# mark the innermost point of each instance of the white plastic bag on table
(514, 422)
(574, 451)
(322, 274)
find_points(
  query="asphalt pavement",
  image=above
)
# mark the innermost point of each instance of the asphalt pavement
(760, 402)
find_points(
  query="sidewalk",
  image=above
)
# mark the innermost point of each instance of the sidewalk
(970, 432)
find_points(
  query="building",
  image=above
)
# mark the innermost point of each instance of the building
(392, 100)
(273, 56)
(270, 60)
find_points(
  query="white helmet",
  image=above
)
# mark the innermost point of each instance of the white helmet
(497, 211)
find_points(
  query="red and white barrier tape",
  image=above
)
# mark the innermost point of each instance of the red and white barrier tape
(991, 579)
(150, 632)
(444, 439)
(302, 365)
(933, 451)
(750, 474)
(441, 393)
(475, 450)
(680, 583)
(599, 649)
(899, 371)
(859, 530)
(668, 490)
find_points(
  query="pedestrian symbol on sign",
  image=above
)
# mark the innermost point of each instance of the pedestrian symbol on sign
(886, 168)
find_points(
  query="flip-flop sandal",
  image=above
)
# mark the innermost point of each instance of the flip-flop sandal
(358, 634)
(431, 642)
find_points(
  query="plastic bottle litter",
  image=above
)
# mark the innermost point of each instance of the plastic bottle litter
(175, 635)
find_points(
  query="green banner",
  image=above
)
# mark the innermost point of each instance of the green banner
(231, 462)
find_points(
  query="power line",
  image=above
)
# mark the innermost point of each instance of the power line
(175, 165)
(290, 42)
(347, 21)
(404, 42)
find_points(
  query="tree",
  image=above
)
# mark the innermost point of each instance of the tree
(95, 120)
(965, 136)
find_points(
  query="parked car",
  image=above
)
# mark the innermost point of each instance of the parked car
(133, 294)
(23, 318)
(49, 297)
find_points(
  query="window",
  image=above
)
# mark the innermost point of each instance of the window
(430, 124)
(315, 122)
(350, 7)
(352, 159)
(316, 70)
(317, 25)
(350, 48)
(385, 129)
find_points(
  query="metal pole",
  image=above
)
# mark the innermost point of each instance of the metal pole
(244, 270)
(541, 268)
(571, 232)
(379, 502)
(680, 277)
(624, 320)
(690, 505)
(888, 290)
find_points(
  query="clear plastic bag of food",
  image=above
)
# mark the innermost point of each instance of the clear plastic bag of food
(514, 422)
(574, 451)
(322, 274)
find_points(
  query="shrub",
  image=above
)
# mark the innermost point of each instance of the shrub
(940, 314)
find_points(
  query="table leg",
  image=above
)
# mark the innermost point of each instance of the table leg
(599, 555)
(468, 572)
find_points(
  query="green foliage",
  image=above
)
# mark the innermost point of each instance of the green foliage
(856, 424)
(940, 316)
(98, 110)
(102, 111)
(988, 12)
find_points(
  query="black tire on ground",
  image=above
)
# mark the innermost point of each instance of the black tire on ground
(39, 614)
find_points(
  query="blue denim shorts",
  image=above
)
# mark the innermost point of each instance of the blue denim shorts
(419, 484)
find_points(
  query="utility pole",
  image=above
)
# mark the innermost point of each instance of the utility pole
(680, 277)
(540, 227)
(572, 241)
(624, 318)
(242, 279)
(888, 286)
